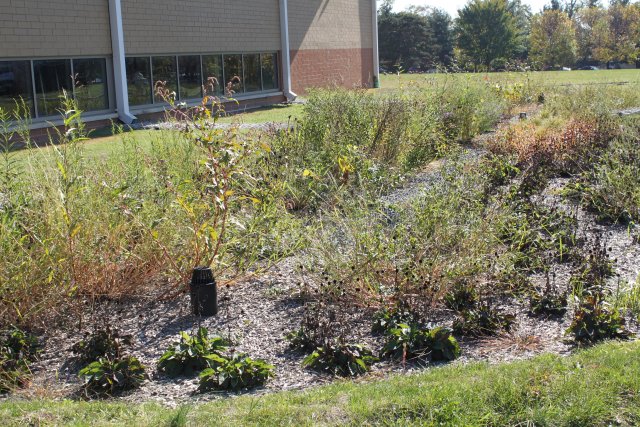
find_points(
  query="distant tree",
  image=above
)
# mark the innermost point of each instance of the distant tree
(486, 31)
(441, 27)
(405, 39)
(592, 32)
(553, 39)
(522, 15)
(624, 31)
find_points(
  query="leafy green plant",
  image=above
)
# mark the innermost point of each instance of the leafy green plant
(595, 320)
(236, 373)
(482, 320)
(410, 341)
(104, 342)
(17, 349)
(390, 318)
(106, 377)
(548, 302)
(192, 353)
(462, 296)
(341, 359)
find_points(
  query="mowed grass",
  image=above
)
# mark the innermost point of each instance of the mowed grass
(596, 387)
(542, 78)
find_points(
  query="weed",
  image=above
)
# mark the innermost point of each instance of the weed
(236, 373)
(594, 320)
(192, 353)
(482, 320)
(104, 342)
(340, 359)
(408, 342)
(106, 377)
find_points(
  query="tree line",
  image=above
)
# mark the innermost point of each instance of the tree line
(505, 34)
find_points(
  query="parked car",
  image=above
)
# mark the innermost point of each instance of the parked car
(589, 68)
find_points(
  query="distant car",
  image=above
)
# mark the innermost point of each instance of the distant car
(589, 68)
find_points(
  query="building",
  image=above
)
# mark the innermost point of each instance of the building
(109, 53)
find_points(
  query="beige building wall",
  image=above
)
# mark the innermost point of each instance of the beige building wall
(62, 28)
(199, 26)
(330, 24)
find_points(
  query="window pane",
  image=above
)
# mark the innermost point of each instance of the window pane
(15, 83)
(190, 84)
(252, 82)
(164, 70)
(139, 80)
(212, 68)
(233, 72)
(52, 78)
(91, 84)
(269, 71)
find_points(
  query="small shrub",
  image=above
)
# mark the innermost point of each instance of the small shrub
(101, 343)
(548, 303)
(408, 342)
(236, 373)
(390, 318)
(462, 296)
(192, 353)
(483, 320)
(595, 321)
(341, 359)
(106, 377)
(17, 350)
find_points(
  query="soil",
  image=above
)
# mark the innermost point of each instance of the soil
(257, 313)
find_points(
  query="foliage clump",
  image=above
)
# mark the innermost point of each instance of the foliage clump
(595, 320)
(407, 342)
(17, 350)
(106, 377)
(192, 353)
(482, 320)
(235, 373)
(341, 359)
(104, 342)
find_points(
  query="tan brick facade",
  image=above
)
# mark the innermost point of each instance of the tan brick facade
(199, 26)
(331, 43)
(330, 24)
(348, 68)
(54, 28)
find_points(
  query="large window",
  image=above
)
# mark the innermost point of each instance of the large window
(190, 77)
(233, 73)
(53, 78)
(164, 70)
(252, 79)
(139, 80)
(269, 71)
(91, 84)
(15, 84)
(188, 74)
(212, 74)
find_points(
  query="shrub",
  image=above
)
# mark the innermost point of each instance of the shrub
(390, 318)
(409, 341)
(548, 303)
(462, 296)
(101, 343)
(594, 320)
(106, 377)
(17, 350)
(192, 353)
(236, 373)
(482, 320)
(341, 359)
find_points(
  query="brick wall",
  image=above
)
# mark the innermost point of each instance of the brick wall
(331, 67)
(38, 28)
(200, 26)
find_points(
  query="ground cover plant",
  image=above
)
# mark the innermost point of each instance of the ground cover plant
(416, 236)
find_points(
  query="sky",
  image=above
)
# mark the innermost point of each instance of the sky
(452, 6)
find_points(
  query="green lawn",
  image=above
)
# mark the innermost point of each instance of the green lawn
(392, 81)
(599, 386)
